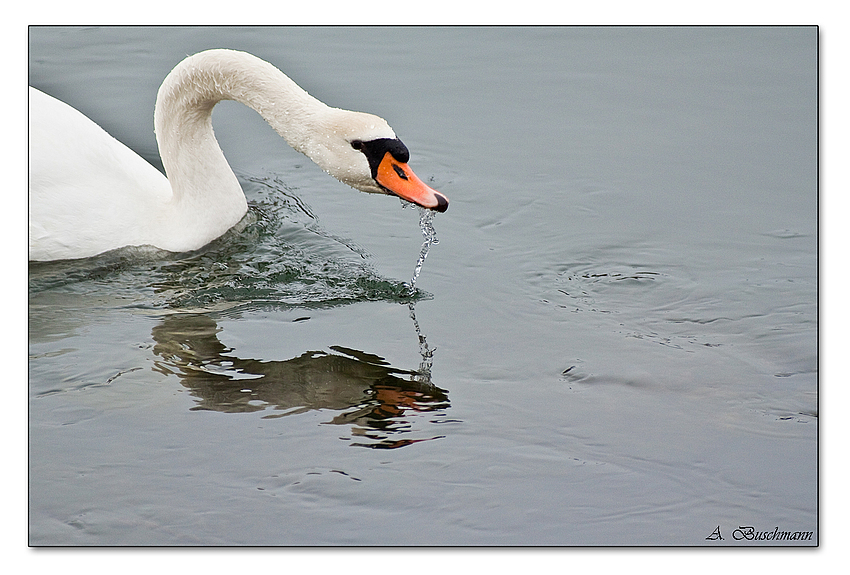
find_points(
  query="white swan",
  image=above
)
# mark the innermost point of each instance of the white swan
(89, 193)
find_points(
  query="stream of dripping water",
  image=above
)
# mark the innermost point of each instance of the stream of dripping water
(429, 235)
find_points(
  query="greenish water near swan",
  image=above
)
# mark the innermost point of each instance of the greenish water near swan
(614, 342)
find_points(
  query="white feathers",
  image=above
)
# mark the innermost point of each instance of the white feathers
(89, 193)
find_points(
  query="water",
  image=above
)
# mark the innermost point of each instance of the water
(615, 341)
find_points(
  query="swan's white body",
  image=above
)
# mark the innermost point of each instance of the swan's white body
(90, 194)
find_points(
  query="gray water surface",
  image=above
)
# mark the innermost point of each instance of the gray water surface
(613, 343)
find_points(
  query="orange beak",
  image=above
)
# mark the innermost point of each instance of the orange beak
(398, 178)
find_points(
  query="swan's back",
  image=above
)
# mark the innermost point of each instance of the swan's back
(90, 192)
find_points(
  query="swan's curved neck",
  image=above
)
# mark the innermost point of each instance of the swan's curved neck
(194, 163)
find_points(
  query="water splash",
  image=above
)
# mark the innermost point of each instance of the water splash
(429, 235)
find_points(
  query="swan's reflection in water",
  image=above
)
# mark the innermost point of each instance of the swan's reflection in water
(378, 401)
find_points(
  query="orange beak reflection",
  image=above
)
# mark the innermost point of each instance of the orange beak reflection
(399, 179)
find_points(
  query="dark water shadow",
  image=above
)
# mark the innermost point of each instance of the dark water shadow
(380, 403)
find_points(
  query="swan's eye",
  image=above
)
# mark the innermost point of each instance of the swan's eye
(356, 144)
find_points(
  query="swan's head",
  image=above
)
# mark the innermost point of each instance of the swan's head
(361, 150)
